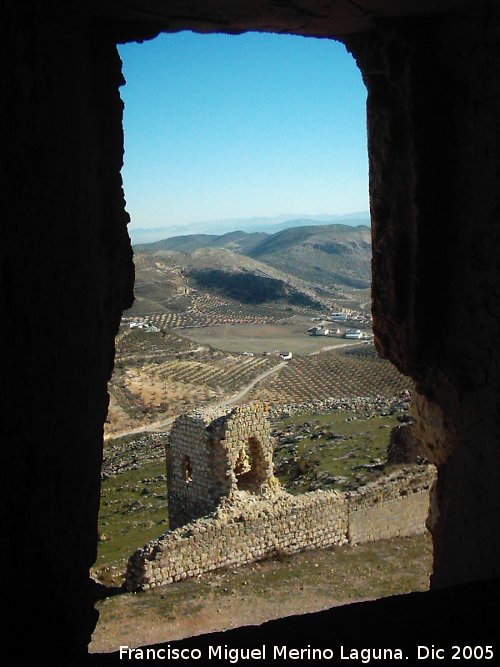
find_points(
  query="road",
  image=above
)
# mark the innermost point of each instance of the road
(338, 347)
(164, 423)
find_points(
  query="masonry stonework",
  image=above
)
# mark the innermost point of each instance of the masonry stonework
(431, 70)
(226, 508)
(209, 460)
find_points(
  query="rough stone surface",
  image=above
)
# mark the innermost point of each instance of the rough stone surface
(431, 71)
(66, 274)
(403, 445)
(433, 102)
(210, 459)
(226, 507)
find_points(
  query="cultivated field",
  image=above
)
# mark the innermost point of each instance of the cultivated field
(202, 309)
(356, 371)
(160, 374)
(288, 336)
(149, 386)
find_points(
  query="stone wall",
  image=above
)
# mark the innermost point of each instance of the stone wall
(225, 466)
(253, 528)
(66, 270)
(245, 530)
(208, 459)
(394, 506)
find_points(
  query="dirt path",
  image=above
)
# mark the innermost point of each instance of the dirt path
(163, 423)
(336, 347)
(237, 397)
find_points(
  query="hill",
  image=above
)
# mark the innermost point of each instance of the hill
(163, 276)
(325, 254)
(256, 224)
(319, 255)
(236, 241)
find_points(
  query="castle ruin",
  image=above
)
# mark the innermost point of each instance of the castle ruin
(226, 507)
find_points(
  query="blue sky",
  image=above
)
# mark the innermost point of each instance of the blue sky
(220, 126)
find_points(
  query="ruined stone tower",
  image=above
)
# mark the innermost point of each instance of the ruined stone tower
(207, 460)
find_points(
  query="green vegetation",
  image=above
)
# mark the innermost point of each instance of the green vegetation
(337, 450)
(133, 511)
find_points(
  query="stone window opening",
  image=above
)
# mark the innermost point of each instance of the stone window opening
(249, 468)
(411, 53)
(187, 470)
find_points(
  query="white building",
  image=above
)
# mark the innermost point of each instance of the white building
(354, 333)
(338, 317)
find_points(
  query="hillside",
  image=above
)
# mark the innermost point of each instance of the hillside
(324, 254)
(303, 266)
(164, 278)
(318, 255)
(236, 241)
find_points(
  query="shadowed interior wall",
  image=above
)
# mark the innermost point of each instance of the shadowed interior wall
(66, 275)
(66, 269)
(434, 149)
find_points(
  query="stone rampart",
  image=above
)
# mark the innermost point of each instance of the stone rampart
(227, 464)
(393, 506)
(240, 532)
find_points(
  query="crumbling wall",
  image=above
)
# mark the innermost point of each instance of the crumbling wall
(251, 528)
(248, 529)
(251, 517)
(211, 458)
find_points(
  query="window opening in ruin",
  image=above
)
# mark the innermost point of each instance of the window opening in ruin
(249, 469)
(259, 311)
(187, 470)
(242, 465)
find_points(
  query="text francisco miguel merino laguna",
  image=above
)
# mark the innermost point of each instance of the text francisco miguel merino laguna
(234, 655)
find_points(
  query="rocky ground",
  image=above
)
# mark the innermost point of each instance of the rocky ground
(133, 451)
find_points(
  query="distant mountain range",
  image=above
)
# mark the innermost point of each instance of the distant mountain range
(269, 225)
(315, 256)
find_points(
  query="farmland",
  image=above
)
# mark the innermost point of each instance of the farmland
(152, 383)
(160, 374)
(353, 371)
(287, 336)
(188, 346)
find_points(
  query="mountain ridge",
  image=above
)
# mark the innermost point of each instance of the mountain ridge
(254, 224)
(303, 259)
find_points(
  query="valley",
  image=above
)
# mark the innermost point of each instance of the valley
(219, 321)
(209, 318)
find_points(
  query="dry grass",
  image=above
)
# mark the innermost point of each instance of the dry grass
(300, 583)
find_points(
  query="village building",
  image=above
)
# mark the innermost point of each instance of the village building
(354, 334)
